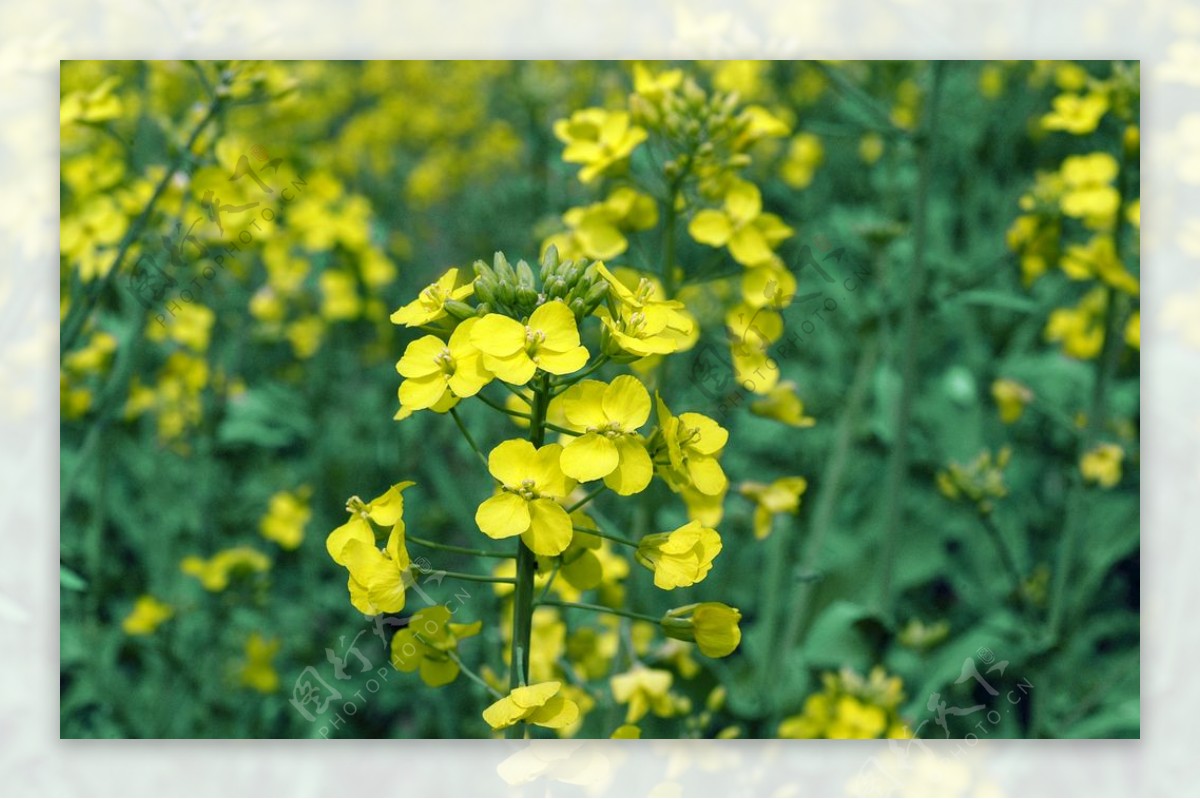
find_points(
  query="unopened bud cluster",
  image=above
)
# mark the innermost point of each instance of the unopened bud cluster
(516, 291)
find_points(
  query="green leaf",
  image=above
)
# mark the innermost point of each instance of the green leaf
(70, 580)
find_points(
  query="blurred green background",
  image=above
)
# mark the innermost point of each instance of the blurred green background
(216, 415)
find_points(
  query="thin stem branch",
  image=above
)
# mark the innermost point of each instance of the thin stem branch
(609, 536)
(475, 578)
(483, 553)
(629, 614)
(587, 498)
(467, 435)
(472, 675)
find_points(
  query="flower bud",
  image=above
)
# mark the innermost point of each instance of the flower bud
(525, 275)
(459, 309)
(712, 625)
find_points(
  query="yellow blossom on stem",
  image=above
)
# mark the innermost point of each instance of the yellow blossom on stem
(540, 704)
(681, 557)
(598, 139)
(741, 224)
(527, 504)
(513, 351)
(693, 443)
(286, 517)
(783, 405)
(1076, 114)
(426, 642)
(608, 416)
(430, 304)
(433, 368)
(644, 690)
(377, 578)
(780, 496)
(215, 573)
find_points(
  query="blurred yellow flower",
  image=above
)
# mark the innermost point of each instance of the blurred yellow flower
(741, 224)
(287, 514)
(215, 573)
(770, 499)
(1102, 464)
(1011, 398)
(783, 405)
(600, 140)
(257, 670)
(644, 690)
(147, 614)
(804, 155)
(427, 644)
(1075, 113)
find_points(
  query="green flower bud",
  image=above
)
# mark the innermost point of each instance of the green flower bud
(578, 308)
(485, 290)
(459, 309)
(549, 263)
(482, 272)
(525, 275)
(504, 272)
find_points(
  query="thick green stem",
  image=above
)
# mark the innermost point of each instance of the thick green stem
(526, 565)
(897, 470)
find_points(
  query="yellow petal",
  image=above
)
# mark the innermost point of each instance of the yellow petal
(498, 335)
(749, 246)
(710, 227)
(634, 471)
(627, 403)
(510, 461)
(503, 515)
(356, 529)
(562, 363)
(590, 457)
(557, 322)
(549, 530)
(419, 393)
(418, 359)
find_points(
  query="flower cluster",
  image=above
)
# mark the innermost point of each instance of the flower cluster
(851, 706)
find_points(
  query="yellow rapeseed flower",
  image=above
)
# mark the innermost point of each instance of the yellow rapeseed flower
(430, 304)
(1011, 398)
(540, 704)
(770, 499)
(693, 443)
(513, 351)
(783, 405)
(1102, 464)
(598, 139)
(741, 224)
(433, 369)
(609, 416)
(681, 557)
(426, 643)
(531, 484)
(712, 625)
(257, 670)
(287, 515)
(377, 578)
(215, 573)
(1075, 113)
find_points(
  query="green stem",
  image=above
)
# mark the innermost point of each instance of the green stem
(827, 501)
(522, 626)
(483, 553)
(629, 614)
(467, 435)
(587, 499)
(472, 675)
(609, 536)
(565, 384)
(897, 471)
(475, 578)
(492, 403)
(77, 318)
(1006, 557)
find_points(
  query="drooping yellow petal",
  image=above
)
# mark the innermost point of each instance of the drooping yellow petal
(419, 393)
(549, 530)
(356, 529)
(634, 469)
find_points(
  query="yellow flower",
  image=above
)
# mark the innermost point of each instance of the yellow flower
(287, 514)
(1077, 114)
(750, 234)
(1011, 398)
(1102, 465)
(600, 140)
(783, 405)
(427, 643)
(645, 322)
(538, 704)
(712, 625)
(854, 719)
(147, 614)
(693, 442)
(531, 483)
(980, 481)
(644, 690)
(190, 325)
(597, 230)
(513, 351)
(1081, 328)
(609, 417)
(430, 304)
(378, 578)
(98, 105)
(652, 86)
(339, 295)
(1088, 193)
(681, 557)
(1098, 258)
(258, 672)
(870, 148)
(626, 731)
(1133, 330)
(781, 496)
(433, 369)
(214, 574)
(804, 155)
